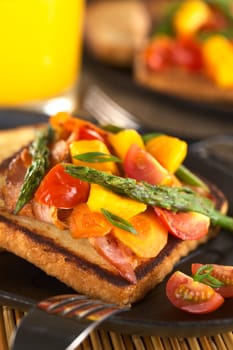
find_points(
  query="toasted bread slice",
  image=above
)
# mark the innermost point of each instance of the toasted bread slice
(114, 29)
(76, 263)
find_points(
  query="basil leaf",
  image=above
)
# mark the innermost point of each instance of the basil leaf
(118, 221)
(96, 157)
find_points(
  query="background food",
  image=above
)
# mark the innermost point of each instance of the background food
(115, 29)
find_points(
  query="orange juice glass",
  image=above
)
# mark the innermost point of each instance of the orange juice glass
(40, 49)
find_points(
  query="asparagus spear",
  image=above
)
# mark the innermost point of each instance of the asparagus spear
(40, 162)
(171, 198)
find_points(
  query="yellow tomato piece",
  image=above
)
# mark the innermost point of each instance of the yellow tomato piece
(100, 197)
(190, 16)
(218, 60)
(122, 141)
(151, 235)
(168, 150)
(86, 146)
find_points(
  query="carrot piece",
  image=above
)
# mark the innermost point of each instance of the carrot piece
(84, 223)
(151, 235)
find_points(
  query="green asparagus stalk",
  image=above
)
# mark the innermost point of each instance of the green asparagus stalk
(171, 198)
(189, 178)
(40, 162)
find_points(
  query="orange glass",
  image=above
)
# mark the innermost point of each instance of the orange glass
(41, 42)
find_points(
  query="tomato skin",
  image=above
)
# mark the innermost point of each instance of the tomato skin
(184, 225)
(86, 132)
(142, 166)
(222, 273)
(194, 297)
(183, 52)
(158, 54)
(61, 190)
(187, 54)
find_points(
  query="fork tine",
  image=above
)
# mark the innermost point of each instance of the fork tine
(107, 111)
(52, 323)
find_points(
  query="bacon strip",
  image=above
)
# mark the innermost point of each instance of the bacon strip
(48, 214)
(117, 254)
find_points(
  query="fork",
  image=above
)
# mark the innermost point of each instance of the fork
(106, 111)
(61, 322)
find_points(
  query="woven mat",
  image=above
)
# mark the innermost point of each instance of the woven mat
(102, 340)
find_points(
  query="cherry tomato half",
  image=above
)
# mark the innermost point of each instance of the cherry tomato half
(142, 166)
(187, 53)
(222, 273)
(61, 190)
(86, 132)
(184, 225)
(158, 54)
(189, 295)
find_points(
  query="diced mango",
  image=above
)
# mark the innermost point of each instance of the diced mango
(122, 141)
(218, 59)
(86, 146)
(168, 150)
(190, 16)
(100, 197)
(151, 235)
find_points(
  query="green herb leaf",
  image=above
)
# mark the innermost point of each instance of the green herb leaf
(203, 275)
(96, 157)
(118, 221)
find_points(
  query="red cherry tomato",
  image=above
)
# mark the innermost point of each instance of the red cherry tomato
(222, 273)
(216, 22)
(142, 166)
(158, 54)
(86, 132)
(184, 225)
(189, 295)
(61, 190)
(187, 53)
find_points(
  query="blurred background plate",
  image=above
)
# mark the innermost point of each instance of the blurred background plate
(157, 111)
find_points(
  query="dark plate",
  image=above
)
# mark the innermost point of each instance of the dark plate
(22, 284)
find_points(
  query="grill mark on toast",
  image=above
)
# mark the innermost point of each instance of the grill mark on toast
(49, 245)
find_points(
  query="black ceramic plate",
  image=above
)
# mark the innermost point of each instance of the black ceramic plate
(22, 284)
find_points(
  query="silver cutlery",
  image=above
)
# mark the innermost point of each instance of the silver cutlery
(62, 322)
(106, 111)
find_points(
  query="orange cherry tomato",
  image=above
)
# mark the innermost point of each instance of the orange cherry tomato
(224, 274)
(61, 190)
(189, 295)
(184, 225)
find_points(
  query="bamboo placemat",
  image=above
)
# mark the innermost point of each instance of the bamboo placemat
(102, 340)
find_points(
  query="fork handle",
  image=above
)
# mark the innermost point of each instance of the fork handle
(40, 330)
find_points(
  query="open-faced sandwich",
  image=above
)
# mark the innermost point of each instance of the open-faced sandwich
(107, 213)
(190, 53)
